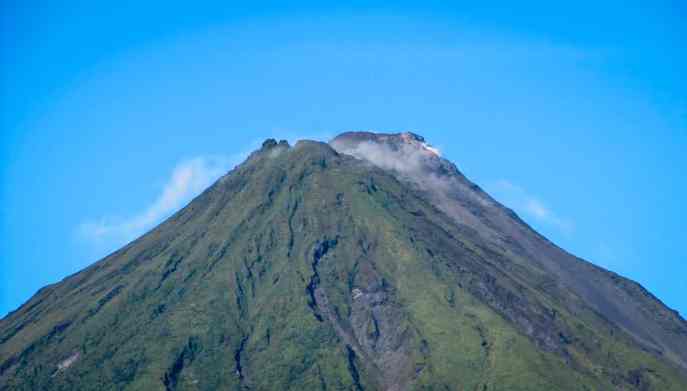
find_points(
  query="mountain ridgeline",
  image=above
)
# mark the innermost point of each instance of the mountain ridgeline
(366, 263)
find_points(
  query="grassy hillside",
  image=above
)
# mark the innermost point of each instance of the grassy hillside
(306, 269)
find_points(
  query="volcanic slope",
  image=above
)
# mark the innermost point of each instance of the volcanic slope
(308, 268)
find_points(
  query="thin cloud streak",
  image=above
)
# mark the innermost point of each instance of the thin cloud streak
(524, 203)
(188, 179)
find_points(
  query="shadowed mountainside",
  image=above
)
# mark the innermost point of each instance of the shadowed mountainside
(367, 264)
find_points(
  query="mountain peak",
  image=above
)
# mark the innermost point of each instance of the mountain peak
(400, 152)
(396, 141)
(374, 136)
(304, 268)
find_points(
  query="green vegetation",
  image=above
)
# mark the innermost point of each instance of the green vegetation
(304, 269)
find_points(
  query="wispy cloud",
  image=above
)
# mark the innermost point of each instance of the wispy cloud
(528, 205)
(187, 180)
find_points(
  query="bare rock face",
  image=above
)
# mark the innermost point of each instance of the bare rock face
(377, 323)
(369, 263)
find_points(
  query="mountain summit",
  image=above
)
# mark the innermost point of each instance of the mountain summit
(368, 263)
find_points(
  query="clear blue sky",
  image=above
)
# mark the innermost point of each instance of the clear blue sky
(576, 116)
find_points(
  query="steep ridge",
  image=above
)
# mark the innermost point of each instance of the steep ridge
(307, 268)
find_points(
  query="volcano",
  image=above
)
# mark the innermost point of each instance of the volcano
(366, 263)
